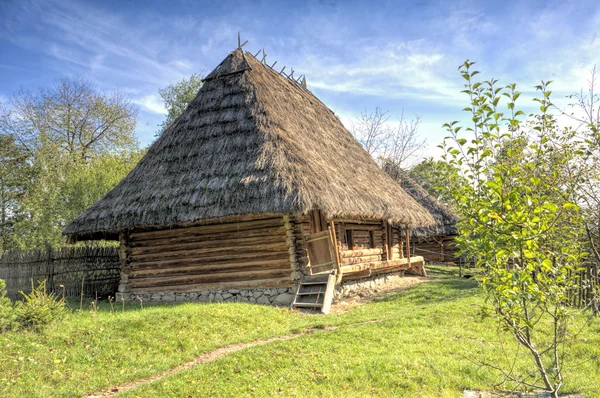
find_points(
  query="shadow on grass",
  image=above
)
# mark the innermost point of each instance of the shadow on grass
(434, 292)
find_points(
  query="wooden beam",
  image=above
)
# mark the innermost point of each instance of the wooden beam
(231, 258)
(362, 253)
(208, 229)
(261, 283)
(336, 249)
(408, 244)
(209, 268)
(206, 244)
(214, 251)
(179, 238)
(210, 278)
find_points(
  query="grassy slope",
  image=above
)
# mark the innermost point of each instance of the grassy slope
(91, 350)
(421, 347)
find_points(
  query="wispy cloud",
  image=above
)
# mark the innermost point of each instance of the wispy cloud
(152, 103)
(355, 56)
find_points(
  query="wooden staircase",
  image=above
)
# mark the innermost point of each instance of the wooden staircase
(315, 292)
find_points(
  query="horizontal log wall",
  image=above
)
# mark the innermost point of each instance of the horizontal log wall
(377, 258)
(245, 254)
(436, 249)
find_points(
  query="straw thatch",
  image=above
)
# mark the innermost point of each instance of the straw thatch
(445, 219)
(251, 142)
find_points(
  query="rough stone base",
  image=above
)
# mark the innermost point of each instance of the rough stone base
(348, 288)
(274, 296)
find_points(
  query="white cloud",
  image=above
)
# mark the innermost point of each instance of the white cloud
(400, 70)
(152, 103)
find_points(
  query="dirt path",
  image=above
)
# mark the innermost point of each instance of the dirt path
(346, 304)
(213, 356)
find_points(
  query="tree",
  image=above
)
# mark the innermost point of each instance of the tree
(519, 219)
(585, 112)
(434, 176)
(14, 179)
(72, 118)
(177, 96)
(396, 144)
(65, 133)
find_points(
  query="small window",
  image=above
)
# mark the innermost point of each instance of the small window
(349, 239)
(372, 239)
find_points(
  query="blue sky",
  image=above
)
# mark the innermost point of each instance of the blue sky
(356, 55)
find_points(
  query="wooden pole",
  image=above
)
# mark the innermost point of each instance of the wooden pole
(337, 251)
(408, 244)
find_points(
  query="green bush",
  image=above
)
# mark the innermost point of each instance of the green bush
(8, 317)
(39, 308)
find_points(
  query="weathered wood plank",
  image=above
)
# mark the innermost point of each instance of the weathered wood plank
(211, 268)
(200, 244)
(231, 258)
(246, 249)
(209, 278)
(272, 231)
(261, 283)
(362, 253)
(207, 229)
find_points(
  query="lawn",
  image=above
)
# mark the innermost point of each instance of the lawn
(425, 341)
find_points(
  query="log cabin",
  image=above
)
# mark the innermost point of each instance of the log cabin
(435, 243)
(254, 188)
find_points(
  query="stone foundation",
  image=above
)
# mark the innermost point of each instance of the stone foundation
(351, 287)
(273, 296)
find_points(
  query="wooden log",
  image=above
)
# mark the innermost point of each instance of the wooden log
(362, 253)
(256, 248)
(210, 268)
(262, 232)
(291, 244)
(231, 258)
(402, 263)
(207, 229)
(209, 244)
(262, 283)
(356, 275)
(359, 224)
(358, 260)
(209, 278)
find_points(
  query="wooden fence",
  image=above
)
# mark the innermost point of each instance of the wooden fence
(588, 290)
(96, 270)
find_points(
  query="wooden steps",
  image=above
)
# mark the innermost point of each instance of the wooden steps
(315, 291)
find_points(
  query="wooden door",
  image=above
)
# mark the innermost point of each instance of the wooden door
(322, 252)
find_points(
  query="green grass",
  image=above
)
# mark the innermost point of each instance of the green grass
(426, 343)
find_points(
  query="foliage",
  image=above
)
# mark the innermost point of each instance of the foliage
(520, 218)
(8, 316)
(434, 177)
(65, 147)
(65, 192)
(177, 96)
(39, 307)
(15, 174)
(585, 113)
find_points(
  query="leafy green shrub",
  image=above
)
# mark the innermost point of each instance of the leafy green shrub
(40, 307)
(8, 316)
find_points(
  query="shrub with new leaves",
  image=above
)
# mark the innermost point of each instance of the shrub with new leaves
(39, 307)
(519, 218)
(8, 318)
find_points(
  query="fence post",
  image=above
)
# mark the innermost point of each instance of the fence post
(50, 268)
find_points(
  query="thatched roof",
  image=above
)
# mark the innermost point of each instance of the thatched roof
(251, 142)
(445, 219)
